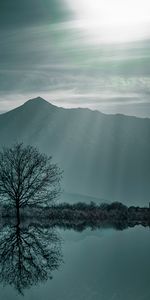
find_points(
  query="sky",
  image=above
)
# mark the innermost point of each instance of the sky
(76, 53)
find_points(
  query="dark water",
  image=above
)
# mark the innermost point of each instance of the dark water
(91, 265)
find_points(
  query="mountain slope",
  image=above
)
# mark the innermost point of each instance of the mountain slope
(103, 156)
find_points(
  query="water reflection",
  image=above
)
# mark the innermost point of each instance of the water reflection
(28, 255)
(31, 250)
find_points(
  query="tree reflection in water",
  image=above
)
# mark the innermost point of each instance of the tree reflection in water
(28, 255)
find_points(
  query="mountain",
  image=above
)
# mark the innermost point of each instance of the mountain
(103, 156)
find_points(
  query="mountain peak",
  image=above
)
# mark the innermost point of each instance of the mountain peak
(39, 102)
(36, 100)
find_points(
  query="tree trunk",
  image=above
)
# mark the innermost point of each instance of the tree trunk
(18, 213)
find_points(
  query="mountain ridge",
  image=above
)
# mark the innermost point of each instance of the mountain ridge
(104, 156)
(41, 101)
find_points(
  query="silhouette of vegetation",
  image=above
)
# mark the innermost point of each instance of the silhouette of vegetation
(27, 177)
(28, 255)
(81, 215)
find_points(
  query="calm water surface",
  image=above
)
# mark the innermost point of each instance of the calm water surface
(97, 265)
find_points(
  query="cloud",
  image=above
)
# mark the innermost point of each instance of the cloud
(18, 13)
(44, 52)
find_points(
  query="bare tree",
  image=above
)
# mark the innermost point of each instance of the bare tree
(27, 177)
(28, 255)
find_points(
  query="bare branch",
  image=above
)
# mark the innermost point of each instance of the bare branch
(27, 176)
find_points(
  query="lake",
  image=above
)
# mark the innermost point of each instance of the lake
(101, 264)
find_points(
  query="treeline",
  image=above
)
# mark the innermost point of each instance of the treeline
(81, 215)
(103, 211)
(86, 211)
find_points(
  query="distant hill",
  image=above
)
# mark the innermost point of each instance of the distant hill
(103, 156)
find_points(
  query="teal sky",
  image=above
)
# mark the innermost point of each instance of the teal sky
(74, 53)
